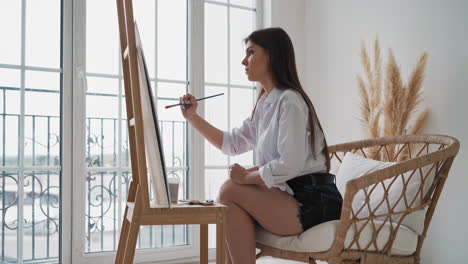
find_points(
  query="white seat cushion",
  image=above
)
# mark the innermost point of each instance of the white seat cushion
(321, 237)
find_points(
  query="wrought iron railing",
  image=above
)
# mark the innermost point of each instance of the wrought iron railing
(107, 183)
(107, 180)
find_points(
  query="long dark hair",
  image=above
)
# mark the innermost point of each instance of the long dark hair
(280, 50)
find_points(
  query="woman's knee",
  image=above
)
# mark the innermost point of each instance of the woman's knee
(227, 192)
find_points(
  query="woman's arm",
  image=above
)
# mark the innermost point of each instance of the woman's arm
(211, 133)
(239, 140)
(252, 169)
(242, 175)
(253, 177)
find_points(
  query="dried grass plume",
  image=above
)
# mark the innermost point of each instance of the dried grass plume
(390, 108)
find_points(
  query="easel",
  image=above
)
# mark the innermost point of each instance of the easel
(138, 211)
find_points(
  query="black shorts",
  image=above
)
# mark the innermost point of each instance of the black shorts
(317, 197)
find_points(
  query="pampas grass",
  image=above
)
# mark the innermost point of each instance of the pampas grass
(371, 106)
(397, 109)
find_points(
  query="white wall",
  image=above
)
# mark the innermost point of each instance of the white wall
(289, 15)
(334, 30)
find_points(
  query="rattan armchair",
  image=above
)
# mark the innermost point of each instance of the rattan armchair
(426, 156)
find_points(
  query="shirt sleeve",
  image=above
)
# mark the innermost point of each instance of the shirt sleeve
(292, 145)
(240, 139)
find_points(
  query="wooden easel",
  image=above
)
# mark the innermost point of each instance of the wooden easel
(138, 211)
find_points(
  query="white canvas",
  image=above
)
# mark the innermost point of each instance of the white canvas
(153, 146)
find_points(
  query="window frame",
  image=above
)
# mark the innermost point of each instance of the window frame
(62, 170)
(73, 250)
(259, 22)
(66, 185)
(79, 166)
(228, 85)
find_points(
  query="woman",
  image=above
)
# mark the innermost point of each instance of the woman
(290, 190)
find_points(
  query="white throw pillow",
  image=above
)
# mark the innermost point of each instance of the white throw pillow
(354, 166)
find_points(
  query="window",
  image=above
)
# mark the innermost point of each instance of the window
(36, 74)
(30, 133)
(227, 24)
(163, 26)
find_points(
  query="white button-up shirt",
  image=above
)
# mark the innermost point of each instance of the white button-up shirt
(280, 133)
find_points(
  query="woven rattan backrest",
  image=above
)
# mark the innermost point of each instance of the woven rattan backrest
(428, 157)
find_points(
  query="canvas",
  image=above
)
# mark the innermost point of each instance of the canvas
(153, 143)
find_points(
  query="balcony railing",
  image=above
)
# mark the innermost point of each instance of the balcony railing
(107, 179)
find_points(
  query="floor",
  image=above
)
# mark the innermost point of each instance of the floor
(270, 260)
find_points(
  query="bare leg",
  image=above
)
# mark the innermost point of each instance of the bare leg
(275, 210)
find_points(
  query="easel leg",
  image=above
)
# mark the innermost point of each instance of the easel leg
(220, 251)
(123, 240)
(131, 243)
(119, 258)
(203, 243)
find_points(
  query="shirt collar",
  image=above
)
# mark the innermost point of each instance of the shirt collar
(273, 96)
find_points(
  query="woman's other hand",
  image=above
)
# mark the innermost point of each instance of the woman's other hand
(237, 173)
(190, 109)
